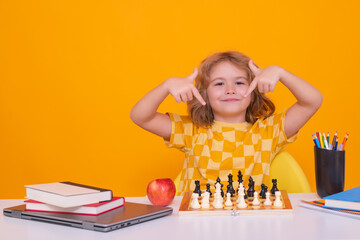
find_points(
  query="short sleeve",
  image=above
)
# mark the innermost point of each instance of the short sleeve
(273, 132)
(182, 131)
(279, 136)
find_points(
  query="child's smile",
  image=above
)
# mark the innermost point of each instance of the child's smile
(225, 92)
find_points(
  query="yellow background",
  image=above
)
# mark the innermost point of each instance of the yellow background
(70, 72)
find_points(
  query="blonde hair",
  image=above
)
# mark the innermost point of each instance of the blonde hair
(260, 105)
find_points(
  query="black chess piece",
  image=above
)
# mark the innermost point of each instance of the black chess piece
(240, 177)
(245, 196)
(265, 190)
(262, 192)
(274, 187)
(222, 191)
(240, 180)
(251, 190)
(231, 189)
(208, 189)
(197, 187)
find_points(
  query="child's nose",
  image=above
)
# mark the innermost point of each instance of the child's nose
(230, 90)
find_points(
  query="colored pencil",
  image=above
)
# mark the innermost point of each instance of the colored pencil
(345, 140)
(326, 142)
(316, 141)
(333, 142)
(336, 143)
(320, 141)
(328, 138)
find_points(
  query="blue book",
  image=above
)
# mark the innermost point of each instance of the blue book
(349, 199)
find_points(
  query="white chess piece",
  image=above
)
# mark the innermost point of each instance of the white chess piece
(218, 200)
(267, 200)
(195, 201)
(241, 190)
(218, 203)
(240, 187)
(277, 202)
(205, 200)
(242, 203)
(256, 201)
(228, 202)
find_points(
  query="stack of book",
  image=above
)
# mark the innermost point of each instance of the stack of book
(70, 198)
(345, 203)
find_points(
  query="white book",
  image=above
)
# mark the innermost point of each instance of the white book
(89, 209)
(67, 194)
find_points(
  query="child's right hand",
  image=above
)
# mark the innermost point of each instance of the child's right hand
(183, 89)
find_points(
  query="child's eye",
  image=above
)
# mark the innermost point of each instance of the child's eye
(239, 83)
(219, 84)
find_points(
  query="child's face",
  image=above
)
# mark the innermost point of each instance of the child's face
(227, 84)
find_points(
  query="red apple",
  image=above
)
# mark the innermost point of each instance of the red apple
(161, 192)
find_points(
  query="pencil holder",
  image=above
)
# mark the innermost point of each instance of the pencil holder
(329, 171)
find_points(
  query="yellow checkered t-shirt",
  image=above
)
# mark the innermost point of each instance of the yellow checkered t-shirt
(226, 148)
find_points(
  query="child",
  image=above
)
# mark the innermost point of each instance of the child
(231, 125)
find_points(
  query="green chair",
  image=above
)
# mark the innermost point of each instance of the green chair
(287, 171)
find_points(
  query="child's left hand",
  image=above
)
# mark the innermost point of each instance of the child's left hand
(265, 79)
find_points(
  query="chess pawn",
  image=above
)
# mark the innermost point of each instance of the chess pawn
(242, 203)
(256, 201)
(205, 200)
(228, 202)
(267, 200)
(277, 202)
(195, 201)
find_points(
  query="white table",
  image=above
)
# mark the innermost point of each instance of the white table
(304, 224)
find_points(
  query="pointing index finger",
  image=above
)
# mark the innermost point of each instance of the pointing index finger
(197, 95)
(251, 87)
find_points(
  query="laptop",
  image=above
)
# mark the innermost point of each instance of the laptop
(127, 215)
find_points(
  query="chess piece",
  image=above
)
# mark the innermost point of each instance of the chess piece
(251, 190)
(208, 189)
(278, 202)
(256, 201)
(205, 200)
(274, 187)
(262, 192)
(242, 203)
(195, 201)
(197, 187)
(240, 180)
(218, 200)
(265, 191)
(228, 202)
(240, 176)
(231, 189)
(267, 200)
(240, 188)
(221, 186)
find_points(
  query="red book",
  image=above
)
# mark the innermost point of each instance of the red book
(89, 209)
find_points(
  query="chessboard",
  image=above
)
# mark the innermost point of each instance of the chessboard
(260, 209)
